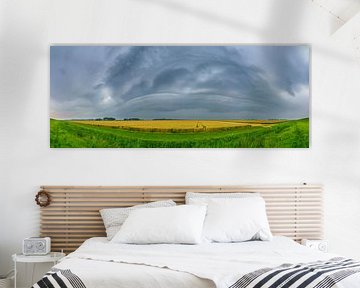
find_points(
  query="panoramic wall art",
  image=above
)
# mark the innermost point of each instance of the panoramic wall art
(233, 96)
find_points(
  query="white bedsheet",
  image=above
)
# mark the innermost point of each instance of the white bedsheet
(102, 264)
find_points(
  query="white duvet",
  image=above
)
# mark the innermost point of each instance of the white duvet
(100, 263)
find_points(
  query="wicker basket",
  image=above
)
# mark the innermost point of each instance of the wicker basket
(5, 280)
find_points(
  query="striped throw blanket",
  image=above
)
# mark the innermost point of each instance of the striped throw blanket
(57, 278)
(320, 274)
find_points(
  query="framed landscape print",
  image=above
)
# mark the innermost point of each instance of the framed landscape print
(229, 96)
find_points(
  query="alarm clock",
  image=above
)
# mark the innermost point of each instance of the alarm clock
(36, 246)
(320, 245)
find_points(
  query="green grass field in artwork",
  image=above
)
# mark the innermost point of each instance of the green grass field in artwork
(180, 134)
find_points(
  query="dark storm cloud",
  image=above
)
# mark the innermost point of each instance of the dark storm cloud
(215, 82)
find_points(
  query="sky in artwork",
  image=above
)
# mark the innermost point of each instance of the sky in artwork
(180, 82)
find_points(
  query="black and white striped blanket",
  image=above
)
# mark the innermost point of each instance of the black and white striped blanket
(57, 278)
(320, 274)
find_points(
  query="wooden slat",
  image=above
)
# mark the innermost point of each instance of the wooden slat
(73, 216)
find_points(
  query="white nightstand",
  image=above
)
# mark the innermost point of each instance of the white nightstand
(320, 245)
(53, 257)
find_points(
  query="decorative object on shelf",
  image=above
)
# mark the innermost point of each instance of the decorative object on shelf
(52, 257)
(180, 96)
(36, 246)
(42, 198)
(320, 245)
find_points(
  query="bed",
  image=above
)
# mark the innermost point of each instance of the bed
(99, 263)
(293, 210)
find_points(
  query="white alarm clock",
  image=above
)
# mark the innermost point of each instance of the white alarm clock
(36, 246)
(320, 245)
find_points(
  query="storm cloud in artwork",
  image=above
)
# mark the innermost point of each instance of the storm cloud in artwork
(180, 82)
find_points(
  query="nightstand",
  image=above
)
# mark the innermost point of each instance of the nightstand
(320, 245)
(52, 257)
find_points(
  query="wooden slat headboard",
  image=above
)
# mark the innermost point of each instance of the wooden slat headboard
(73, 215)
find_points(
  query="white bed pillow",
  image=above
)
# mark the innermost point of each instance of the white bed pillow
(236, 220)
(173, 225)
(113, 218)
(204, 198)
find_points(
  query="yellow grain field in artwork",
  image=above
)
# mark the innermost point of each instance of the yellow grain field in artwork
(179, 125)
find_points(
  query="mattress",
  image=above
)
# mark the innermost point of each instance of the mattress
(99, 263)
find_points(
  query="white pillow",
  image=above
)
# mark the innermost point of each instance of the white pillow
(204, 198)
(113, 218)
(180, 224)
(236, 220)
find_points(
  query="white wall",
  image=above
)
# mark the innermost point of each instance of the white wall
(28, 27)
